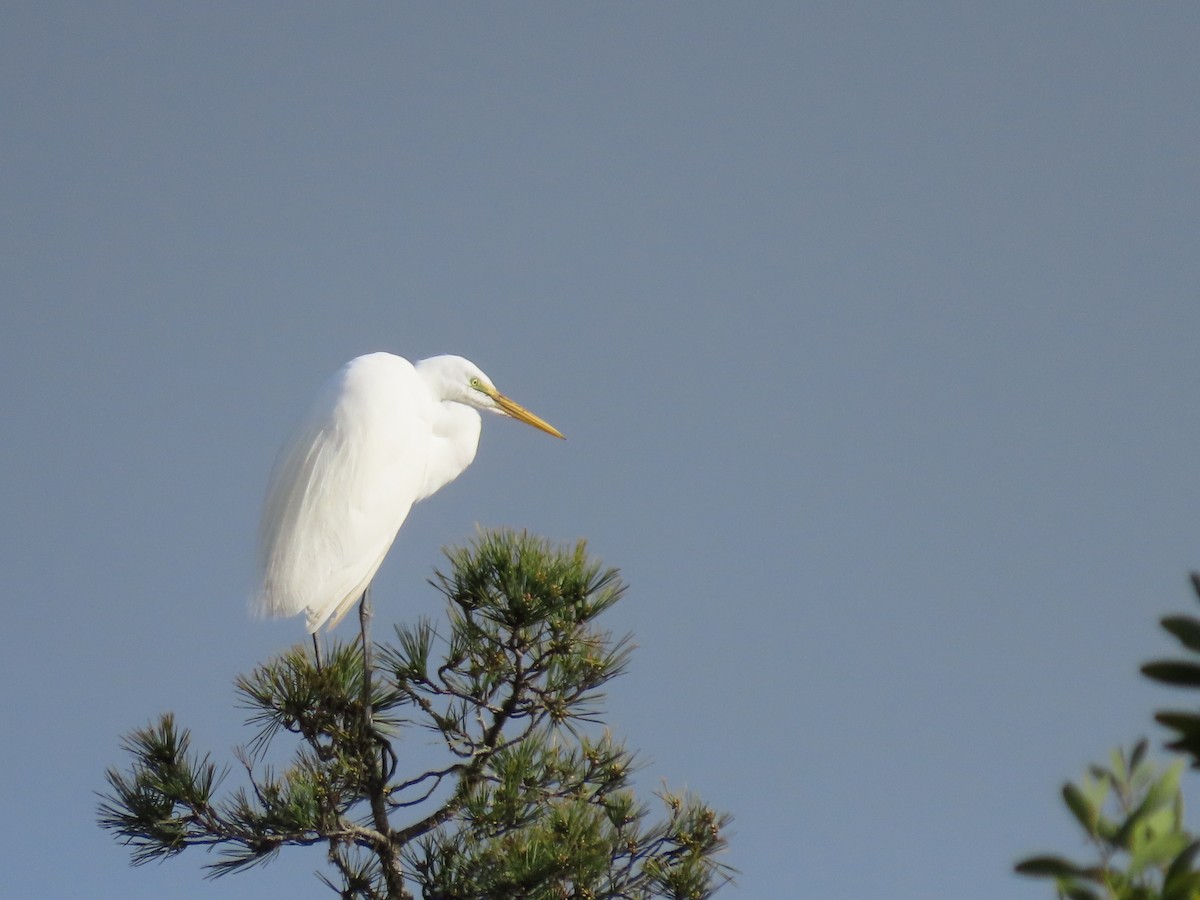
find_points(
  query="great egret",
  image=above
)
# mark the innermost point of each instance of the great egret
(383, 434)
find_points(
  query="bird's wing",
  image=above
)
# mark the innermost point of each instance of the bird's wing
(342, 488)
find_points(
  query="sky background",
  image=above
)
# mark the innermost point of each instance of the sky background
(872, 327)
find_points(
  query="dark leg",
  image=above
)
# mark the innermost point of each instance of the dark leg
(364, 629)
(364, 625)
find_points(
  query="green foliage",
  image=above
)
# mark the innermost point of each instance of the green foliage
(160, 807)
(1183, 673)
(1132, 812)
(531, 800)
(1132, 815)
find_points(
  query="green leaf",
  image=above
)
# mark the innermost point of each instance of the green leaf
(1186, 723)
(1120, 770)
(1181, 865)
(1183, 887)
(1139, 753)
(1097, 789)
(1048, 867)
(1106, 829)
(1157, 852)
(1173, 672)
(1165, 789)
(1185, 628)
(1080, 807)
(1125, 834)
(1154, 815)
(1188, 727)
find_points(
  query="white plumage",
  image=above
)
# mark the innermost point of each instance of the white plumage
(381, 435)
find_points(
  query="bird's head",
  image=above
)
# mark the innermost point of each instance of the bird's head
(461, 381)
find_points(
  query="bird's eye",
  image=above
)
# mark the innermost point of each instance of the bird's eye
(476, 383)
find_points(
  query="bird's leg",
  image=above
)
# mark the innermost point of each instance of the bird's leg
(364, 627)
(316, 651)
(387, 755)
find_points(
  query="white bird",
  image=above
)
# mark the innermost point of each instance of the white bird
(383, 434)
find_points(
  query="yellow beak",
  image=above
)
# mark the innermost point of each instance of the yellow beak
(517, 411)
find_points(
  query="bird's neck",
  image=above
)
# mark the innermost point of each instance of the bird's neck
(455, 440)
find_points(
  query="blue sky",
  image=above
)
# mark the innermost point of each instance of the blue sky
(872, 328)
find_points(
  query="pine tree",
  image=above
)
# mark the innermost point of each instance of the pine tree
(532, 800)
